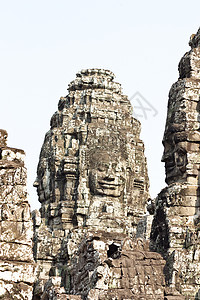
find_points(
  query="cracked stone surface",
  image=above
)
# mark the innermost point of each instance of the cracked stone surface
(16, 229)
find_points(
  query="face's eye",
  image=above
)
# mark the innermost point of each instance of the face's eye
(103, 167)
(181, 152)
(41, 173)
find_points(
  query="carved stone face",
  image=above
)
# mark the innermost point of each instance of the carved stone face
(175, 158)
(107, 176)
(42, 183)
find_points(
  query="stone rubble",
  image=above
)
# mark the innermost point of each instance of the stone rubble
(125, 270)
(16, 231)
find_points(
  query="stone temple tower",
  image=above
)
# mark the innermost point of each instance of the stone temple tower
(92, 173)
(175, 228)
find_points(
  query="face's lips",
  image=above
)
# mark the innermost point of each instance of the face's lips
(108, 185)
(170, 169)
(109, 182)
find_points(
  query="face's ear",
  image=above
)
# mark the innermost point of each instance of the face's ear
(92, 180)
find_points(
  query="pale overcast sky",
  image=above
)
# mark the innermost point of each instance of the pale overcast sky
(44, 43)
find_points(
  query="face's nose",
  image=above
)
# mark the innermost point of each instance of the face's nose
(36, 183)
(163, 157)
(167, 155)
(109, 175)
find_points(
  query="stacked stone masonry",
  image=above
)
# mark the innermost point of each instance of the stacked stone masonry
(16, 231)
(98, 235)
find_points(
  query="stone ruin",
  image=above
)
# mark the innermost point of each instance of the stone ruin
(98, 235)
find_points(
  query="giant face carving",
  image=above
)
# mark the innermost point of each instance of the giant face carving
(107, 175)
(175, 158)
(42, 182)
